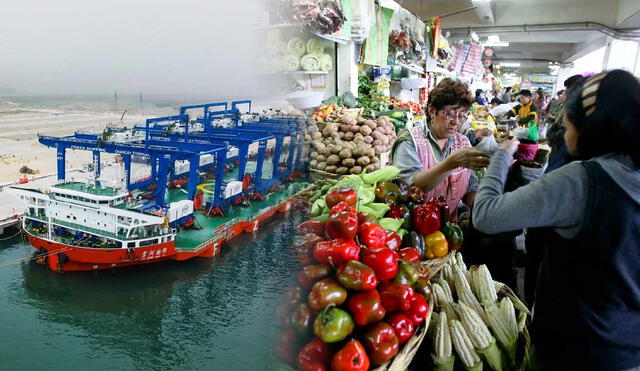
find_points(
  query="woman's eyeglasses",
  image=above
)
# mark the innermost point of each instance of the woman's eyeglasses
(450, 115)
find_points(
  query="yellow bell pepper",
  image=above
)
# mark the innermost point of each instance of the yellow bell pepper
(436, 245)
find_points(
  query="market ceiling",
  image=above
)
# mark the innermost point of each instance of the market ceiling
(538, 31)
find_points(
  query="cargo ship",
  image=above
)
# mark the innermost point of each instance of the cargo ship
(79, 226)
(208, 183)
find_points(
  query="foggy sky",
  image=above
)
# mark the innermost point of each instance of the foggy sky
(195, 47)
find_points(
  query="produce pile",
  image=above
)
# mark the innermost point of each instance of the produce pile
(481, 319)
(325, 17)
(348, 144)
(294, 54)
(363, 290)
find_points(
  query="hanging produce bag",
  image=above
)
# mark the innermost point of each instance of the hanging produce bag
(533, 131)
(376, 47)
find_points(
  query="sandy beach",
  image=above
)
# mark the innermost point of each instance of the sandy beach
(19, 129)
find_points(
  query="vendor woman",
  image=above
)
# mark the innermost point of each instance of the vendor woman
(587, 305)
(436, 157)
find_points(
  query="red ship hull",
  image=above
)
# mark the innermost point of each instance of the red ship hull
(66, 258)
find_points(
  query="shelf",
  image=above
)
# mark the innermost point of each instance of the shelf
(411, 68)
(295, 73)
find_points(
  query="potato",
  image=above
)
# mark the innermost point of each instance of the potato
(346, 119)
(378, 149)
(376, 135)
(314, 154)
(361, 120)
(365, 130)
(348, 136)
(313, 163)
(375, 160)
(345, 153)
(371, 124)
(331, 169)
(349, 162)
(358, 138)
(345, 128)
(356, 170)
(336, 149)
(368, 139)
(329, 129)
(342, 170)
(377, 142)
(355, 129)
(385, 140)
(370, 152)
(333, 159)
(321, 158)
(376, 166)
(340, 135)
(370, 168)
(317, 135)
(321, 166)
(307, 137)
(363, 160)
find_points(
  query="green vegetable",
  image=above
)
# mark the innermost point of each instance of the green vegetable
(366, 195)
(332, 100)
(383, 175)
(326, 62)
(296, 46)
(376, 209)
(315, 46)
(349, 100)
(310, 62)
(318, 206)
(390, 223)
(401, 232)
(351, 181)
(322, 218)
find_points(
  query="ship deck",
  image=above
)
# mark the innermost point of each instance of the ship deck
(216, 226)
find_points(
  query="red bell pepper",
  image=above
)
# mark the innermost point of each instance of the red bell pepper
(393, 240)
(395, 296)
(311, 274)
(400, 212)
(311, 226)
(294, 297)
(416, 195)
(417, 310)
(366, 307)
(341, 194)
(303, 247)
(410, 254)
(426, 218)
(336, 251)
(381, 343)
(352, 357)
(355, 275)
(441, 203)
(402, 326)
(286, 346)
(342, 222)
(383, 262)
(326, 292)
(302, 318)
(315, 356)
(372, 236)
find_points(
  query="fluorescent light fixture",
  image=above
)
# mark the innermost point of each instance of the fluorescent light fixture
(475, 37)
(493, 39)
(510, 64)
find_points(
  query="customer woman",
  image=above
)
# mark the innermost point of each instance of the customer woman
(436, 157)
(587, 308)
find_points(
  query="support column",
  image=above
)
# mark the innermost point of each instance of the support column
(276, 156)
(347, 69)
(262, 149)
(153, 161)
(194, 164)
(61, 159)
(243, 156)
(96, 164)
(126, 159)
(221, 158)
(163, 175)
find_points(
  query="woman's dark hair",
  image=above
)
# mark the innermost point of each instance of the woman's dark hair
(450, 92)
(525, 92)
(508, 89)
(496, 101)
(568, 83)
(478, 92)
(614, 126)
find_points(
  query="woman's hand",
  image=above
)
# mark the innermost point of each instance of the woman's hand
(468, 157)
(483, 133)
(511, 146)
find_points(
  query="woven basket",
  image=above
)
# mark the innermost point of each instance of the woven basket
(524, 341)
(319, 175)
(404, 357)
(434, 265)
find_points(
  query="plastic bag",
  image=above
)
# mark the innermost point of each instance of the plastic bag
(488, 144)
(533, 132)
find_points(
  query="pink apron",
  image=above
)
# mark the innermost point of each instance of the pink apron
(454, 186)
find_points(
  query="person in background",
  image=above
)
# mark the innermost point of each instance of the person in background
(587, 308)
(437, 158)
(506, 97)
(480, 98)
(526, 110)
(540, 102)
(554, 108)
(555, 134)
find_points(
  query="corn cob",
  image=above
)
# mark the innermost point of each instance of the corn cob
(439, 297)
(480, 336)
(505, 332)
(463, 345)
(516, 301)
(522, 321)
(447, 273)
(470, 300)
(509, 313)
(460, 281)
(482, 283)
(446, 288)
(443, 355)
(432, 325)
